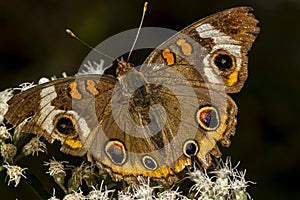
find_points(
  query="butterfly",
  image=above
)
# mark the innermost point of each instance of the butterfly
(154, 120)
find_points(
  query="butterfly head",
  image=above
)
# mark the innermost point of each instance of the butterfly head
(123, 67)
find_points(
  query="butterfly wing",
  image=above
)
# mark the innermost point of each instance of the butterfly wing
(61, 109)
(212, 51)
(158, 138)
(209, 56)
(178, 113)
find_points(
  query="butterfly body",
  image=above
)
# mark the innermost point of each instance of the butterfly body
(153, 120)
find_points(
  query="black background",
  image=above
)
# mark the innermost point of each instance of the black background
(33, 44)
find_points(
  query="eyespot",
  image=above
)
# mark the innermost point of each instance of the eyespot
(149, 162)
(223, 60)
(208, 118)
(190, 148)
(116, 152)
(65, 125)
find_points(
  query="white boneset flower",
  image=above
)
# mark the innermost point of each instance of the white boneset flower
(239, 185)
(241, 195)
(46, 80)
(170, 195)
(223, 175)
(225, 170)
(100, 194)
(14, 173)
(76, 195)
(4, 134)
(34, 146)
(239, 181)
(4, 97)
(143, 190)
(203, 184)
(25, 86)
(78, 174)
(94, 68)
(55, 167)
(8, 152)
(3, 110)
(125, 195)
(64, 75)
(43, 80)
(56, 170)
(53, 196)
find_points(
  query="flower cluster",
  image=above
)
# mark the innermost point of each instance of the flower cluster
(14, 173)
(226, 182)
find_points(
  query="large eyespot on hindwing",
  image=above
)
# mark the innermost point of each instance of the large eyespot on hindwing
(223, 60)
(65, 125)
(116, 152)
(149, 162)
(208, 118)
(190, 148)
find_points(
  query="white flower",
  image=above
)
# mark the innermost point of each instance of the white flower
(3, 110)
(64, 75)
(25, 86)
(56, 170)
(203, 184)
(239, 181)
(94, 68)
(75, 196)
(83, 172)
(55, 167)
(223, 175)
(225, 170)
(4, 97)
(99, 194)
(46, 80)
(170, 195)
(4, 134)
(34, 146)
(142, 191)
(125, 195)
(53, 196)
(14, 173)
(43, 80)
(239, 184)
(226, 183)
(8, 152)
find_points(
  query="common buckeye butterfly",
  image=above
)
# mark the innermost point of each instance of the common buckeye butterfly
(154, 120)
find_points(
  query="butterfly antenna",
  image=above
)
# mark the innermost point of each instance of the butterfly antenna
(139, 29)
(72, 34)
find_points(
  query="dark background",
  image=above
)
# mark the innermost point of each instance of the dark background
(33, 44)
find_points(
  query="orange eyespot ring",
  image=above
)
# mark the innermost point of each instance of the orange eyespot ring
(65, 125)
(149, 162)
(223, 60)
(190, 148)
(116, 152)
(208, 118)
